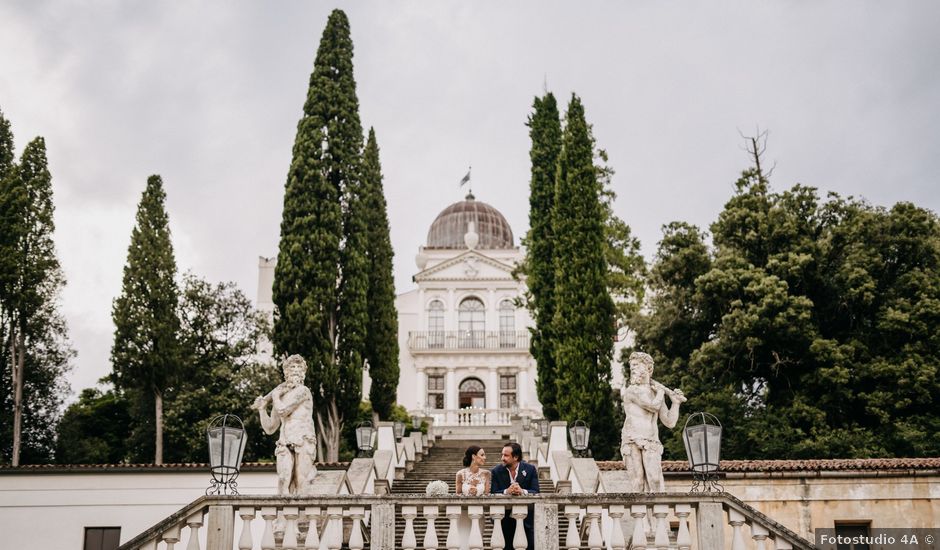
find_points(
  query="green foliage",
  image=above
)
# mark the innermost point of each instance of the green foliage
(584, 312)
(34, 346)
(321, 279)
(539, 267)
(809, 329)
(146, 354)
(93, 430)
(382, 336)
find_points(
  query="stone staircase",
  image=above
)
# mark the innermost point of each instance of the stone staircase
(442, 462)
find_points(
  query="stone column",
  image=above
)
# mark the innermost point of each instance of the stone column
(422, 399)
(492, 396)
(450, 398)
(522, 385)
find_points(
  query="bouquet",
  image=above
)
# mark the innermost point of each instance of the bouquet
(437, 488)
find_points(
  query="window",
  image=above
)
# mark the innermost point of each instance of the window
(472, 393)
(436, 324)
(507, 391)
(102, 538)
(507, 324)
(852, 529)
(471, 323)
(436, 392)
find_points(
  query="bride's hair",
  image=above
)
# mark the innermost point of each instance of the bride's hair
(468, 456)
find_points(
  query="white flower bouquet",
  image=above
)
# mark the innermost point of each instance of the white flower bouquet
(437, 488)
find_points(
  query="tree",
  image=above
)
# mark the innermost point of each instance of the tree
(146, 354)
(220, 331)
(321, 279)
(33, 337)
(382, 336)
(539, 265)
(809, 328)
(584, 312)
(94, 429)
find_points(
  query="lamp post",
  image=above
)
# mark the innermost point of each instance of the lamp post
(226, 438)
(580, 434)
(545, 427)
(364, 435)
(702, 438)
(416, 422)
(398, 427)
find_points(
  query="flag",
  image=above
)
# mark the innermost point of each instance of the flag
(465, 179)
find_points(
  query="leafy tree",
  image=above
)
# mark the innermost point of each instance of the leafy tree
(146, 354)
(809, 328)
(584, 312)
(34, 347)
(321, 278)
(382, 336)
(94, 429)
(539, 266)
(220, 332)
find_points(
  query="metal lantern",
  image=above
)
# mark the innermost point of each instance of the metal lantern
(364, 436)
(580, 434)
(545, 427)
(702, 438)
(526, 421)
(226, 437)
(399, 428)
(416, 422)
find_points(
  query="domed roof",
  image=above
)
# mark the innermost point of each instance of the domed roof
(450, 226)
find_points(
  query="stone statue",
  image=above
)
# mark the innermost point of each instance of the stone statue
(644, 403)
(292, 411)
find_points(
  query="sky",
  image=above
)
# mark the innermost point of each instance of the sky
(208, 95)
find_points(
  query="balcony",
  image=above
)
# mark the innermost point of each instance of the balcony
(477, 340)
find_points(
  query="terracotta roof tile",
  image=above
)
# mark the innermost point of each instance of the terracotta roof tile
(801, 465)
(174, 467)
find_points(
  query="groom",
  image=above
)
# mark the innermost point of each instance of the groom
(515, 477)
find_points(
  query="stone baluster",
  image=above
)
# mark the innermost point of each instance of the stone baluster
(268, 514)
(573, 536)
(335, 528)
(660, 511)
(453, 535)
(312, 541)
(194, 522)
(496, 535)
(639, 542)
(356, 541)
(780, 544)
(476, 527)
(759, 534)
(247, 513)
(519, 540)
(408, 541)
(291, 513)
(684, 538)
(171, 537)
(617, 539)
(595, 538)
(736, 519)
(430, 532)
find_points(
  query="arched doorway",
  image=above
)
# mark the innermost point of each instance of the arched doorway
(471, 393)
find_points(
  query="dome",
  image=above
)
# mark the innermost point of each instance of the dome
(450, 226)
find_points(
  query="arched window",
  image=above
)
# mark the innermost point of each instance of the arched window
(471, 393)
(471, 323)
(507, 324)
(436, 324)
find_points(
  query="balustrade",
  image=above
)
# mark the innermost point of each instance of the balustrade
(598, 522)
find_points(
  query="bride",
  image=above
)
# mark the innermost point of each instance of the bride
(473, 480)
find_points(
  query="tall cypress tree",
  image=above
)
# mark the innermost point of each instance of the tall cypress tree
(321, 278)
(33, 336)
(146, 352)
(539, 267)
(382, 338)
(584, 311)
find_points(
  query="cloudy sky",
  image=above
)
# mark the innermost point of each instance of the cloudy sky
(208, 94)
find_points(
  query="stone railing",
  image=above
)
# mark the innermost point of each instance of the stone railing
(601, 521)
(464, 340)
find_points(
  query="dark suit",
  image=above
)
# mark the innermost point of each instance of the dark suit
(528, 478)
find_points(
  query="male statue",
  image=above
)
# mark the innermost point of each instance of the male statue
(292, 411)
(643, 403)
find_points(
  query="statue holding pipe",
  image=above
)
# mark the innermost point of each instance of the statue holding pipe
(644, 402)
(291, 411)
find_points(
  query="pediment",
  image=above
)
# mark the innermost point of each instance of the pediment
(470, 265)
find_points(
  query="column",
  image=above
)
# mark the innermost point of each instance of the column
(450, 398)
(522, 383)
(492, 396)
(422, 399)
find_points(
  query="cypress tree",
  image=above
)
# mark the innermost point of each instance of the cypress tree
(584, 311)
(321, 278)
(382, 337)
(539, 267)
(146, 353)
